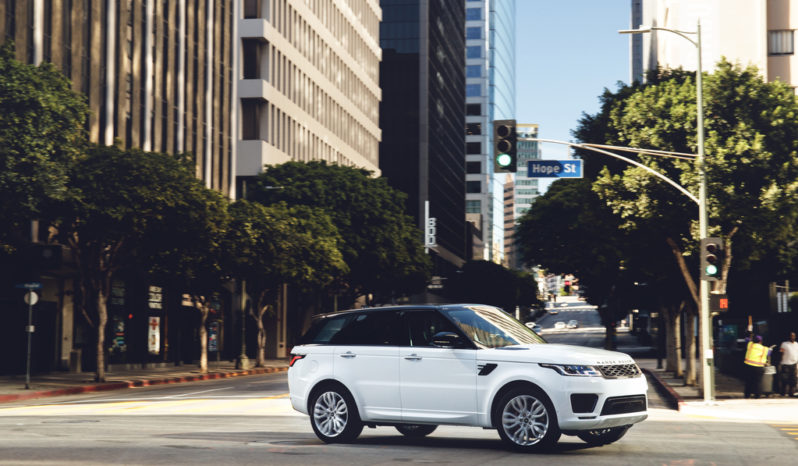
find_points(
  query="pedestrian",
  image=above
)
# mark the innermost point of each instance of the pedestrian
(789, 359)
(756, 358)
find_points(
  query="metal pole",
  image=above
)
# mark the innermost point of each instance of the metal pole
(707, 355)
(30, 336)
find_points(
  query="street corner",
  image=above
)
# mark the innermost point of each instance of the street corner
(763, 410)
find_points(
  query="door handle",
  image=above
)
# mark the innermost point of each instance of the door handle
(413, 357)
(348, 355)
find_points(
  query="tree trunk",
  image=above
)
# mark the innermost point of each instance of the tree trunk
(690, 348)
(102, 320)
(203, 334)
(261, 360)
(674, 344)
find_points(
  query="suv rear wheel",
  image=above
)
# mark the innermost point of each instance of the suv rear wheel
(600, 437)
(526, 420)
(415, 430)
(334, 416)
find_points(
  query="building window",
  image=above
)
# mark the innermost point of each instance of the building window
(781, 42)
(474, 167)
(472, 207)
(251, 8)
(473, 187)
(250, 55)
(473, 90)
(473, 129)
(473, 148)
(473, 109)
(474, 51)
(473, 33)
(473, 71)
(473, 14)
(250, 119)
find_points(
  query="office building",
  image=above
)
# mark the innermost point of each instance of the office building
(422, 116)
(308, 84)
(748, 32)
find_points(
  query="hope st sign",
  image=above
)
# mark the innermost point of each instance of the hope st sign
(554, 169)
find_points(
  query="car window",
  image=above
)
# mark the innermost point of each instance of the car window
(378, 328)
(423, 325)
(492, 328)
(324, 329)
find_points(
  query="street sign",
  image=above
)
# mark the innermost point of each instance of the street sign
(554, 169)
(31, 298)
(29, 286)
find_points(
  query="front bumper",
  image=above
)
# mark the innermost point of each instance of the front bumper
(602, 403)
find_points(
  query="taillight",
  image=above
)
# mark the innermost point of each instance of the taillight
(295, 358)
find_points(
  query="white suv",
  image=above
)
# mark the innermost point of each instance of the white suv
(415, 367)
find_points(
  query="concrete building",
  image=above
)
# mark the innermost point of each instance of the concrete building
(157, 76)
(422, 116)
(524, 191)
(748, 32)
(308, 84)
(490, 95)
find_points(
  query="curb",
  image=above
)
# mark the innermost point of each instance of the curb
(99, 387)
(673, 399)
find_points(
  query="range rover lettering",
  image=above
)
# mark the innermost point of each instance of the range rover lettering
(417, 367)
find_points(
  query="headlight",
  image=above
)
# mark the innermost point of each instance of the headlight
(574, 369)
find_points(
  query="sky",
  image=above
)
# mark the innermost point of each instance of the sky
(567, 53)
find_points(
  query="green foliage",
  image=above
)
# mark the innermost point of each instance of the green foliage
(485, 282)
(278, 244)
(381, 246)
(41, 135)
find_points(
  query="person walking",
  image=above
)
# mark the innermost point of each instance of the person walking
(789, 359)
(756, 358)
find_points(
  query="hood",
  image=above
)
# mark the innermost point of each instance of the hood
(554, 354)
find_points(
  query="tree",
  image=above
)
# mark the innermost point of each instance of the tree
(119, 200)
(41, 136)
(381, 245)
(751, 167)
(277, 244)
(485, 282)
(187, 248)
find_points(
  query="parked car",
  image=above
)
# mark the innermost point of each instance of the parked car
(416, 367)
(559, 325)
(535, 327)
(572, 324)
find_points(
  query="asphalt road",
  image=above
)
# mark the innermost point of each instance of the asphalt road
(249, 420)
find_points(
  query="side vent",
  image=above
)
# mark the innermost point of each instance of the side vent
(485, 369)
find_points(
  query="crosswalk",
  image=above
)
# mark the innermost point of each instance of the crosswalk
(788, 430)
(278, 405)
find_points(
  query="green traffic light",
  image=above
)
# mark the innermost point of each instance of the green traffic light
(504, 160)
(711, 269)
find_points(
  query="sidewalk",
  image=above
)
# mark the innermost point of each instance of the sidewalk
(12, 388)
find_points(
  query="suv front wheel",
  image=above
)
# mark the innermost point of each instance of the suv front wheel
(334, 416)
(526, 420)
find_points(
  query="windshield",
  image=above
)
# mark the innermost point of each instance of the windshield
(492, 328)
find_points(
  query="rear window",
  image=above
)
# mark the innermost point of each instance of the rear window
(323, 330)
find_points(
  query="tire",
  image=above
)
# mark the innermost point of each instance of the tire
(601, 437)
(416, 430)
(333, 415)
(526, 420)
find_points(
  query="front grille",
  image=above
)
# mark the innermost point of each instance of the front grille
(624, 404)
(619, 371)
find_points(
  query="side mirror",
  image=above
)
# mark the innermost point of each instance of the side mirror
(446, 340)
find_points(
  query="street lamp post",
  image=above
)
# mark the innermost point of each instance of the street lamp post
(703, 307)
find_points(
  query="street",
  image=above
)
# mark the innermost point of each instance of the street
(249, 420)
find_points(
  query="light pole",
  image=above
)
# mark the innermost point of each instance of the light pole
(703, 307)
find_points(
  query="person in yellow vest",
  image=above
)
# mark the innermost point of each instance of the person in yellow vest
(756, 358)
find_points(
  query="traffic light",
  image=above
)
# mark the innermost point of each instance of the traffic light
(505, 150)
(711, 258)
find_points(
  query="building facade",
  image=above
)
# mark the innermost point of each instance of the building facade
(308, 84)
(523, 188)
(422, 152)
(490, 95)
(759, 33)
(157, 76)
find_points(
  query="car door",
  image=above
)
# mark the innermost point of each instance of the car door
(366, 361)
(437, 384)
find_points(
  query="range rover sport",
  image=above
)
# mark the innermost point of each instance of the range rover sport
(417, 367)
